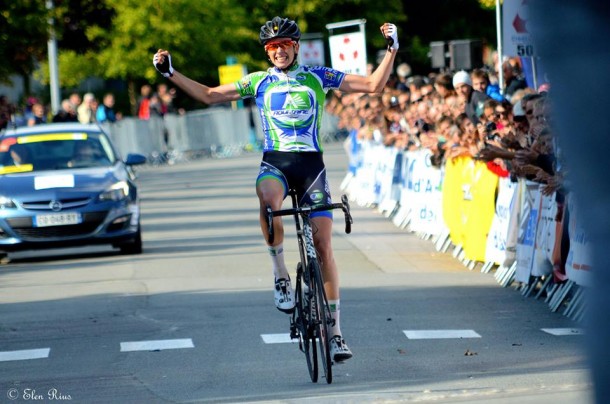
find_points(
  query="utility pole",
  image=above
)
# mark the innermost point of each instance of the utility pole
(53, 70)
(500, 50)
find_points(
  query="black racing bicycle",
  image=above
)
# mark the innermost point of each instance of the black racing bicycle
(311, 320)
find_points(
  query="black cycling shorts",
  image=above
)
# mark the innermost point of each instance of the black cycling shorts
(304, 172)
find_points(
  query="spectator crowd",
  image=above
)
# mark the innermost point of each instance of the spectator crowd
(87, 108)
(453, 115)
(463, 114)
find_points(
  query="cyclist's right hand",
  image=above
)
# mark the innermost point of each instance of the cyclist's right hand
(163, 63)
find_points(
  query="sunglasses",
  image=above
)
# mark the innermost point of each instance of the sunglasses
(280, 44)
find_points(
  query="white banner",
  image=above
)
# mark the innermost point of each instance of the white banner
(530, 211)
(365, 193)
(578, 265)
(348, 53)
(516, 36)
(311, 52)
(495, 251)
(545, 237)
(423, 193)
(384, 174)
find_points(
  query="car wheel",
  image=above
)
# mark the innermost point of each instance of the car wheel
(134, 246)
(3, 258)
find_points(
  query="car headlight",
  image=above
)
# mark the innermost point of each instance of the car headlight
(116, 192)
(6, 203)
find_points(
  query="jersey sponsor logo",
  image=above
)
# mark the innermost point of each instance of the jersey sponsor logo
(245, 84)
(290, 101)
(301, 77)
(329, 75)
(316, 196)
(266, 170)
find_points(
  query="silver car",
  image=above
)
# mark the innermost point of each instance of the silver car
(64, 185)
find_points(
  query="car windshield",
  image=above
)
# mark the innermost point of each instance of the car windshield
(54, 151)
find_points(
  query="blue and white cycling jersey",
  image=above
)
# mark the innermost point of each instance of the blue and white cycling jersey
(291, 104)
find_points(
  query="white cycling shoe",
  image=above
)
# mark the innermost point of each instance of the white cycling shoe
(284, 295)
(339, 350)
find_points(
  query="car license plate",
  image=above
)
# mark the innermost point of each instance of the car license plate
(57, 219)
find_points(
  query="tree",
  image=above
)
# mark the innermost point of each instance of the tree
(23, 38)
(115, 39)
(199, 34)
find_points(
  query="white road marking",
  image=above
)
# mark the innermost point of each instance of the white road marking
(277, 338)
(24, 354)
(563, 331)
(440, 334)
(158, 345)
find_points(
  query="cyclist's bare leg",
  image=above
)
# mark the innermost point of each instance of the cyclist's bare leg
(322, 232)
(322, 227)
(271, 193)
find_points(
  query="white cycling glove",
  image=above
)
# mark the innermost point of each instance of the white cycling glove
(392, 37)
(164, 68)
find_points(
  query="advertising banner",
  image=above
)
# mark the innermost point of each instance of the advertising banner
(517, 40)
(348, 53)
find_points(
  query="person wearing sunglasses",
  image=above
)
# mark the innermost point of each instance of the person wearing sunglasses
(290, 99)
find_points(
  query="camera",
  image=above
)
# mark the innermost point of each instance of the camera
(492, 136)
(422, 125)
(394, 102)
(490, 127)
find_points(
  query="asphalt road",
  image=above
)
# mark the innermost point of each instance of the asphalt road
(187, 320)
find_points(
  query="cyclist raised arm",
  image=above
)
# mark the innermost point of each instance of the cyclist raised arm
(290, 99)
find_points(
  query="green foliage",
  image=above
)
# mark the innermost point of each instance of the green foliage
(23, 36)
(115, 39)
(489, 4)
(200, 35)
(73, 69)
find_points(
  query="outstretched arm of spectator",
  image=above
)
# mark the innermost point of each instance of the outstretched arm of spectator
(526, 156)
(489, 153)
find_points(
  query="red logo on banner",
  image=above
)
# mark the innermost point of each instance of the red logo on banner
(520, 25)
(311, 51)
(342, 56)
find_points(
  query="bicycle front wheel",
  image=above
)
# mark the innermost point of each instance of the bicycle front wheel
(324, 319)
(305, 324)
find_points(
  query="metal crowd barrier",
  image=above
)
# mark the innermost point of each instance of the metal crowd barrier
(217, 131)
(196, 131)
(490, 221)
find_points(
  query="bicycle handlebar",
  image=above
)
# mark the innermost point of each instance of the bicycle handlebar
(344, 206)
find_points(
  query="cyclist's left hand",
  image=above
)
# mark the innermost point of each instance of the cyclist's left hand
(390, 32)
(163, 63)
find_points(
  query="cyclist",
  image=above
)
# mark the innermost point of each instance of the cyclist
(290, 99)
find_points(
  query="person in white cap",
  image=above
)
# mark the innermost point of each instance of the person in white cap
(85, 110)
(472, 99)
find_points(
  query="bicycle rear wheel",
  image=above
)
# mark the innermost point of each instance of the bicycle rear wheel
(305, 327)
(324, 319)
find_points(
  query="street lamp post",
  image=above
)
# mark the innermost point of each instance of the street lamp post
(53, 70)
